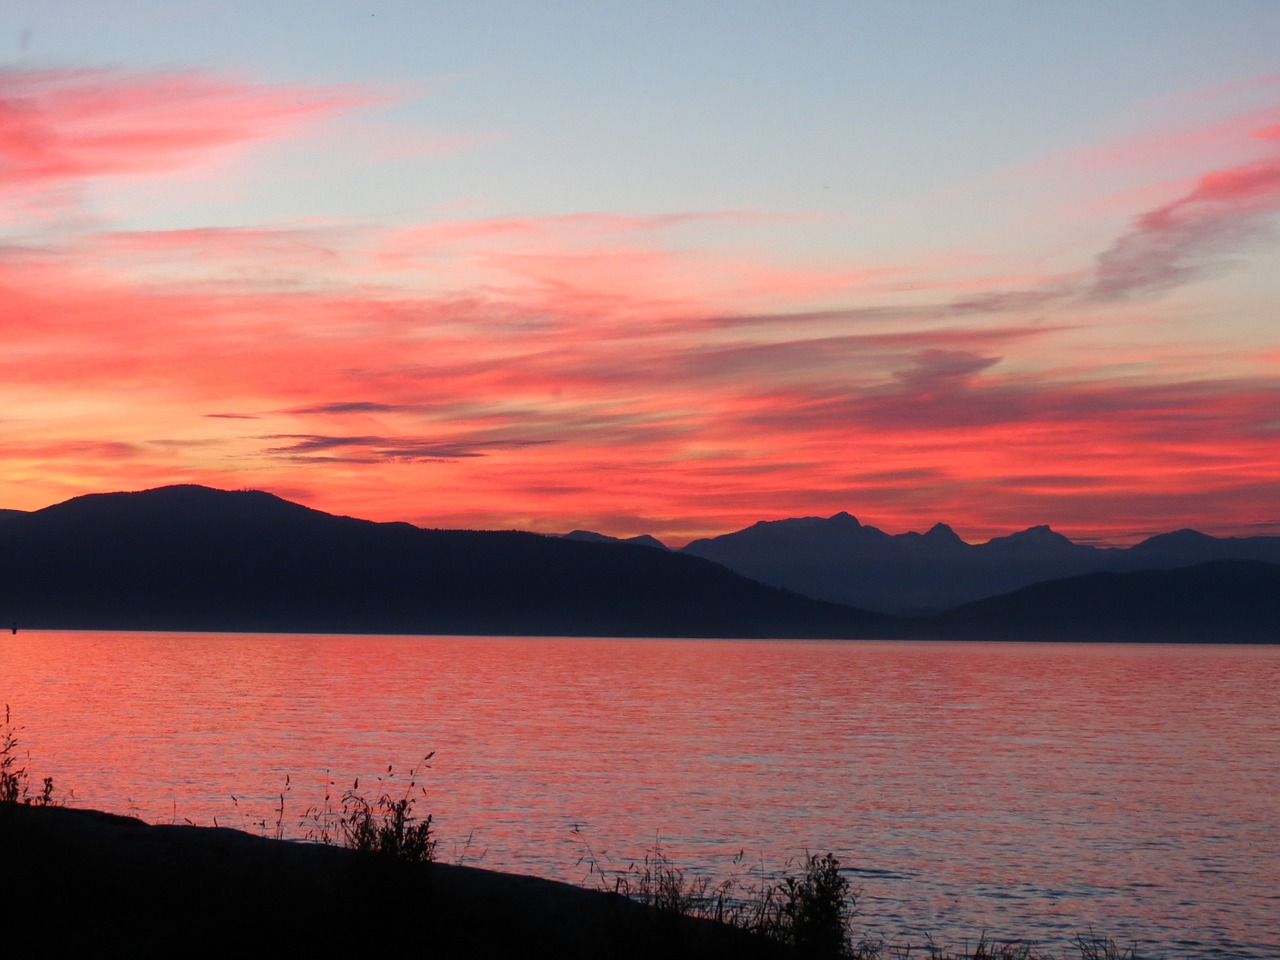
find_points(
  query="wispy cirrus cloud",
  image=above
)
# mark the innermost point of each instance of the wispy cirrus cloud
(349, 406)
(1226, 212)
(370, 449)
(74, 449)
(58, 126)
(280, 245)
(1177, 242)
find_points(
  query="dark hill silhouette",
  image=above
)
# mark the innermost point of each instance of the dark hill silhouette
(1234, 601)
(843, 561)
(643, 540)
(1183, 546)
(189, 557)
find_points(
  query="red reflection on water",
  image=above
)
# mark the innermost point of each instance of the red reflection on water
(1018, 789)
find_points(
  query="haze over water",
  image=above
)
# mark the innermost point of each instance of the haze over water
(1019, 789)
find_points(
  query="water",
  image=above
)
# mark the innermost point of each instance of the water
(1031, 790)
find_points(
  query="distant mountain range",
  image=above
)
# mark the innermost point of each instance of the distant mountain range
(844, 561)
(193, 558)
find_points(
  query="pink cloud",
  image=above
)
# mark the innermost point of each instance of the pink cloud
(68, 125)
(605, 264)
(1175, 243)
(1171, 145)
(1222, 213)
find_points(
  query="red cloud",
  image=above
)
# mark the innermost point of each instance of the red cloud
(587, 366)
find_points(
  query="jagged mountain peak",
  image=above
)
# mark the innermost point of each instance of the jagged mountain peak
(942, 535)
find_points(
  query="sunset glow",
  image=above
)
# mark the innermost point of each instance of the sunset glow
(359, 281)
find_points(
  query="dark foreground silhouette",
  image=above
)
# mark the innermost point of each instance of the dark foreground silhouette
(83, 879)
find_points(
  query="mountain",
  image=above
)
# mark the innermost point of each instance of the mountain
(1232, 601)
(6, 514)
(193, 558)
(843, 561)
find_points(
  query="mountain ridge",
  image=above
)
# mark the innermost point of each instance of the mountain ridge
(194, 558)
(844, 561)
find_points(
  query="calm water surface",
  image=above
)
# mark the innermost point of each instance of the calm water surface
(1018, 789)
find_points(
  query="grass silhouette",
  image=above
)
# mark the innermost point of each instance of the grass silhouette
(386, 824)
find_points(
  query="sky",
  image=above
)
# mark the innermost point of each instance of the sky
(666, 268)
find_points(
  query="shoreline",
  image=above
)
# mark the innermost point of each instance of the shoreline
(122, 882)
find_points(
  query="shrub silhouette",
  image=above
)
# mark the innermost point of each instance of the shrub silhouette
(809, 912)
